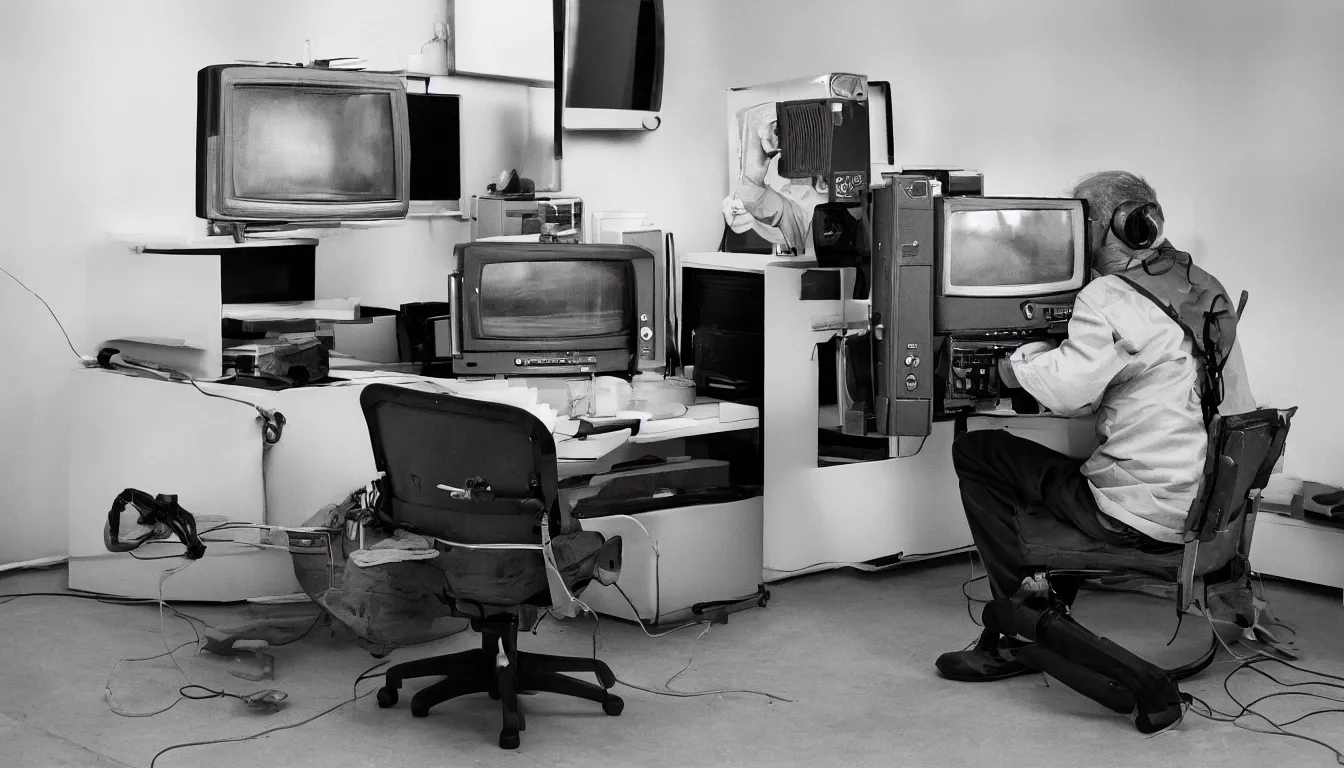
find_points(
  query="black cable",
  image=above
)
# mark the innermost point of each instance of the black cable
(316, 620)
(50, 311)
(210, 693)
(665, 691)
(273, 423)
(901, 557)
(664, 633)
(355, 696)
(159, 557)
(1234, 718)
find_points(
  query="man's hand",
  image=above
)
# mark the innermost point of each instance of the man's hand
(1006, 376)
(1024, 353)
(735, 215)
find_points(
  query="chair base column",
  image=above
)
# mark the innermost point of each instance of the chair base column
(499, 669)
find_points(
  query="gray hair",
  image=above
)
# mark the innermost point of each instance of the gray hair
(1104, 192)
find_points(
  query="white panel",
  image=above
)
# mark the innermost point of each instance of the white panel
(158, 295)
(159, 437)
(1296, 549)
(504, 38)
(847, 513)
(324, 455)
(581, 119)
(704, 553)
(539, 161)
(227, 573)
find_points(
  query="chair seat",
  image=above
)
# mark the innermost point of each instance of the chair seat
(515, 577)
(1047, 544)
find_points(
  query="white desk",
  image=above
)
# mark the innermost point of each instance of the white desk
(162, 437)
(818, 517)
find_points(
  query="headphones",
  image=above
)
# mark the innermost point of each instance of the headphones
(1137, 225)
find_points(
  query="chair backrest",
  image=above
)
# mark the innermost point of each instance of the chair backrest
(1243, 450)
(422, 440)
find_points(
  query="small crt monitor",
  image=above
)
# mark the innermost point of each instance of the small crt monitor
(528, 309)
(1007, 263)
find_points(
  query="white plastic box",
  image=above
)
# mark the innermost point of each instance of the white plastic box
(678, 560)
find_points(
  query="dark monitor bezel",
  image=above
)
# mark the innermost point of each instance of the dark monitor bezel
(472, 258)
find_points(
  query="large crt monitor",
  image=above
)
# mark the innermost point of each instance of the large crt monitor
(959, 282)
(1007, 263)
(289, 145)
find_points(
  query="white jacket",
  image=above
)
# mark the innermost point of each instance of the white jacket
(1129, 363)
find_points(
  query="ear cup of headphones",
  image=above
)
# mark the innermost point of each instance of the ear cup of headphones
(1137, 225)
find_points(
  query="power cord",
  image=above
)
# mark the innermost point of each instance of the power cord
(50, 311)
(354, 696)
(273, 422)
(1234, 718)
(1252, 663)
(666, 690)
(168, 652)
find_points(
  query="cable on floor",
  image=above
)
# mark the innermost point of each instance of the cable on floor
(665, 690)
(1252, 662)
(354, 696)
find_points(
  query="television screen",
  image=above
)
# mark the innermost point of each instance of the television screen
(1001, 248)
(313, 145)
(526, 300)
(614, 56)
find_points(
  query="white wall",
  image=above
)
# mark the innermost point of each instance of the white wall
(1229, 109)
(97, 135)
(1232, 111)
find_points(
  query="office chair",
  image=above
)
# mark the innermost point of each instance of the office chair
(480, 478)
(1243, 450)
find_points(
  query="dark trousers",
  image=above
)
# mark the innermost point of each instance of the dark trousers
(1001, 474)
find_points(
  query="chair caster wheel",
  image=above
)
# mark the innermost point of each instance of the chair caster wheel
(419, 711)
(613, 705)
(508, 739)
(387, 697)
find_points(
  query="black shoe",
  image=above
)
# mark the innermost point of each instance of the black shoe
(990, 659)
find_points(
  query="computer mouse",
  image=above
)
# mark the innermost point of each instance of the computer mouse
(270, 700)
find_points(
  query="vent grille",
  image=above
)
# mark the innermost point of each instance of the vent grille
(805, 138)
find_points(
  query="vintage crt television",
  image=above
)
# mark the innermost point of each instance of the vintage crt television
(282, 146)
(551, 309)
(609, 74)
(959, 283)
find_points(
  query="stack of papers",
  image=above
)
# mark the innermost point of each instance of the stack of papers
(330, 310)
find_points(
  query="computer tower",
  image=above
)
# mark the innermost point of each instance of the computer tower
(903, 294)
(653, 330)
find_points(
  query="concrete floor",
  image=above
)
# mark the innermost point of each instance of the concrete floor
(854, 652)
